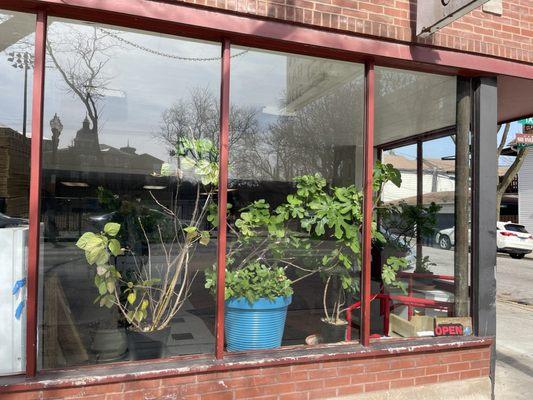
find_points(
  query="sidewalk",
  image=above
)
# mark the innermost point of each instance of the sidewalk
(514, 346)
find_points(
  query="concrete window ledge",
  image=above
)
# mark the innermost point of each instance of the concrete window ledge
(195, 365)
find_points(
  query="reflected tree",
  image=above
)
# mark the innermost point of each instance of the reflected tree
(80, 57)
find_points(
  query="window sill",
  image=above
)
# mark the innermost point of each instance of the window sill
(122, 372)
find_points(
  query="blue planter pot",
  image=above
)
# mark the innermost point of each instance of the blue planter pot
(254, 326)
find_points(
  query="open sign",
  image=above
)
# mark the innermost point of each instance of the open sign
(449, 330)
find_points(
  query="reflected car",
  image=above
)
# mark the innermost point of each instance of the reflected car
(6, 221)
(445, 238)
(513, 239)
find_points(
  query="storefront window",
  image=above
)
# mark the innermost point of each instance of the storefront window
(418, 264)
(295, 171)
(130, 175)
(16, 71)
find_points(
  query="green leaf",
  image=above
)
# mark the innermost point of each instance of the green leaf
(101, 269)
(114, 247)
(85, 239)
(97, 255)
(102, 288)
(112, 228)
(132, 296)
(204, 238)
(144, 304)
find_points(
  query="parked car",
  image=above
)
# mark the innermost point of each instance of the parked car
(6, 221)
(511, 238)
(445, 238)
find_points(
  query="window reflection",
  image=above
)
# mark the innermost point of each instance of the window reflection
(16, 71)
(295, 184)
(128, 192)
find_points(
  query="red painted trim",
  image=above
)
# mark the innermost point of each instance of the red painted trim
(273, 34)
(368, 193)
(35, 193)
(419, 200)
(222, 194)
(386, 349)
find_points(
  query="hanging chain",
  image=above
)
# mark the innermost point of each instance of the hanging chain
(160, 53)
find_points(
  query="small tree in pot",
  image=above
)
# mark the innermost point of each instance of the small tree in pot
(156, 288)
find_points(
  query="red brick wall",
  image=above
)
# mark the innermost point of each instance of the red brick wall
(509, 35)
(304, 381)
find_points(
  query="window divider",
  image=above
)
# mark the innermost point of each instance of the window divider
(222, 195)
(365, 285)
(35, 193)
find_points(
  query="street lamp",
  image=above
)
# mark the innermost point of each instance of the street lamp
(22, 60)
(56, 126)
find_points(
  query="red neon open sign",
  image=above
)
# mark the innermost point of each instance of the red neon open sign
(449, 330)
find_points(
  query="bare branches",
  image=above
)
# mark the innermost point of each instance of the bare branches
(503, 141)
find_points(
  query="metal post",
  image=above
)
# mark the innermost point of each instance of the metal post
(222, 195)
(419, 203)
(367, 204)
(485, 174)
(462, 149)
(35, 193)
(25, 110)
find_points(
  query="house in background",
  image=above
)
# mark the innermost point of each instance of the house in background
(438, 186)
(525, 193)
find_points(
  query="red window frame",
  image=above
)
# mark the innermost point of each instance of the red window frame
(225, 28)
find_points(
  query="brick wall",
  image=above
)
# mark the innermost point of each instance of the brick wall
(320, 380)
(508, 36)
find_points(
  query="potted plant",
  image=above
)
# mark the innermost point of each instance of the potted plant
(154, 288)
(257, 297)
(318, 214)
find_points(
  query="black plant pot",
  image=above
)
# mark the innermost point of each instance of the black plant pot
(333, 333)
(147, 345)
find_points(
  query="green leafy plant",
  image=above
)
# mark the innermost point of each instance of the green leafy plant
(253, 282)
(316, 217)
(157, 287)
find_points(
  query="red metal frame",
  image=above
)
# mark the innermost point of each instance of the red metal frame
(419, 202)
(222, 194)
(35, 193)
(244, 30)
(174, 18)
(368, 193)
(410, 301)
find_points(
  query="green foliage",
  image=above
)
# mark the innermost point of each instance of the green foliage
(315, 213)
(253, 282)
(98, 248)
(201, 155)
(390, 270)
(401, 221)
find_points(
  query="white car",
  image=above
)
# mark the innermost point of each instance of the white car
(511, 238)
(445, 238)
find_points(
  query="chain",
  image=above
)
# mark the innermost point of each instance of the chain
(167, 55)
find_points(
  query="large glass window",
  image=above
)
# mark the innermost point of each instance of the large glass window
(16, 72)
(416, 264)
(296, 140)
(130, 175)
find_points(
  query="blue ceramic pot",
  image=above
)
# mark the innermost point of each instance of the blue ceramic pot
(253, 326)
